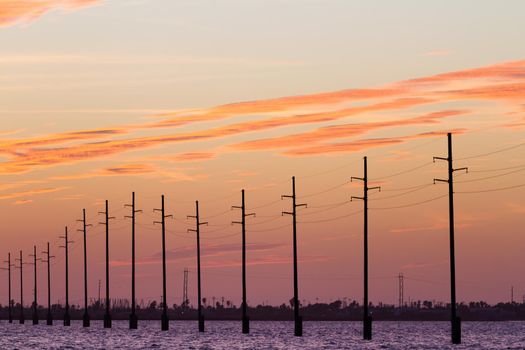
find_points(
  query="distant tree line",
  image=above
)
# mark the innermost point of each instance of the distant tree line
(339, 310)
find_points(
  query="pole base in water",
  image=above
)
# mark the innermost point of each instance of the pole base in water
(367, 327)
(245, 325)
(201, 324)
(298, 329)
(107, 321)
(67, 320)
(456, 331)
(133, 321)
(49, 319)
(86, 322)
(10, 319)
(164, 322)
(35, 319)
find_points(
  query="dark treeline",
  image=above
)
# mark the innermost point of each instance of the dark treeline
(421, 310)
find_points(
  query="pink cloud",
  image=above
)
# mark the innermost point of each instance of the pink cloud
(15, 11)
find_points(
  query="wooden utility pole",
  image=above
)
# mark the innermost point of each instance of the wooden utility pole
(86, 321)
(455, 320)
(107, 314)
(49, 318)
(245, 318)
(198, 224)
(21, 267)
(367, 318)
(133, 319)
(35, 301)
(8, 268)
(67, 316)
(164, 317)
(298, 329)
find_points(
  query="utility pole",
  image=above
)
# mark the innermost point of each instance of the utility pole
(298, 329)
(133, 319)
(35, 303)
(49, 318)
(99, 286)
(367, 318)
(8, 268)
(245, 318)
(107, 315)
(85, 318)
(185, 300)
(512, 294)
(164, 318)
(67, 317)
(21, 267)
(455, 320)
(401, 290)
(198, 224)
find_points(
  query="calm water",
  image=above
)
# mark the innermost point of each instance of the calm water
(265, 335)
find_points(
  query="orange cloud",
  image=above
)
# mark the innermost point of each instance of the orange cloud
(121, 170)
(359, 145)
(31, 193)
(341, 131)
(492, 83)
(15, 11)
(23, 201)
(193, 156)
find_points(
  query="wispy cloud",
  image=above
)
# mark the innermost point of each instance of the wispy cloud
(342, 131)
(502, 82)
(15, 11)
(30, 193)
(207, 251)
(23, 201)
(120, 170)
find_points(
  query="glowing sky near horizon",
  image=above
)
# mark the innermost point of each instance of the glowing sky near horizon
(197, 100)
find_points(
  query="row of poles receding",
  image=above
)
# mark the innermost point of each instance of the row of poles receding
(298, 322)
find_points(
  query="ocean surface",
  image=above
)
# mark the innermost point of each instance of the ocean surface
(264, 335)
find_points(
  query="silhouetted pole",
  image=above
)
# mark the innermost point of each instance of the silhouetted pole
(455, 320)
(197, 231)
(367, 318)
(67, 316)
(85, 318)
(8, 268)
(21, 267)
(133, 319)
(35, 302)
(245, 318)
(107, 315)
(401, 280)
(164, 317)
(49, 318)
(298, 329)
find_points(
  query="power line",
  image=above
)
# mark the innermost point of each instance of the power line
(404, 188)
(492, 189)
(492, 176)
(419, 188)
(325, 191)
(497, 169)
(331, 219)
(411, 204)
(493, 152)
(402, 172)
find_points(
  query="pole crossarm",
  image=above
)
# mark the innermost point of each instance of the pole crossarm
(440, 158)
(465, 169)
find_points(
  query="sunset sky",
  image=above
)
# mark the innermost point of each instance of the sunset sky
(199, 99)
